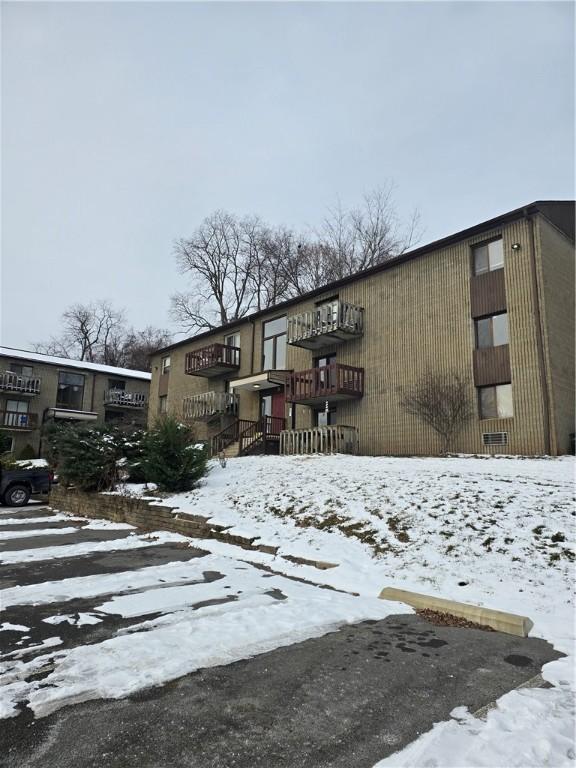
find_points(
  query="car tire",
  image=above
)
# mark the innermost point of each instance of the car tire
(16, 496)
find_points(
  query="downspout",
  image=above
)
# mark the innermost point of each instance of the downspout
(252, 350)
(93, 391)
(539, 334)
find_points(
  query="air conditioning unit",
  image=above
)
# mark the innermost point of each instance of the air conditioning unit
(495, 438)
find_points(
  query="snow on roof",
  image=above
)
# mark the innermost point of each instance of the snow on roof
(64, 362)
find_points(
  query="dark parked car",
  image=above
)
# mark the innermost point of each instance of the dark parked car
(18, 485)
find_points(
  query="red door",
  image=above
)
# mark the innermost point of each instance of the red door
(278, 404)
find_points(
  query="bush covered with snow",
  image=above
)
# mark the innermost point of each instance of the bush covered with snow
(87, 457)
(171, 458)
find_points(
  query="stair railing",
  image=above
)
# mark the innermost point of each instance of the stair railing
(229, 435)
(259, 433)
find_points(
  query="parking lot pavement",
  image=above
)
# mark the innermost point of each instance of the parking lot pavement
(144, 651)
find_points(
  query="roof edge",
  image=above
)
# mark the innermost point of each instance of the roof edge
(422, 250)
(67, 362)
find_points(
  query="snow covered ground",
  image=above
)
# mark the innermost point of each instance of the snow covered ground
(498, 532)
(159, 621)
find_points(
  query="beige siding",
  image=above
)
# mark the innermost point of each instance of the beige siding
(95, 385)
(556, 272)
(417, 318)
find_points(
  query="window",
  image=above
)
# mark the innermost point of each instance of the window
(274, 344)
(70, 391)
(22, 370)
(488, 256)
(116, 385)
(495, 402)
(163, 404)
(165, 364)
(492, 331)
(266, 405)
(233, 340)
(325, 417)
(16, 414)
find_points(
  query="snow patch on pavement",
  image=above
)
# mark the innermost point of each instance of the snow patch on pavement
(75, 619)
(8, 627)
(89, 547)
(211, 636)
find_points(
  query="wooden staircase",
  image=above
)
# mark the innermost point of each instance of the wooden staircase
(248, 438)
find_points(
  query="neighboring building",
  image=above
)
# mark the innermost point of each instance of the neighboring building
(493, 303)
(36, 388)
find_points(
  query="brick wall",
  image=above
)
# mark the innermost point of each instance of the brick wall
(145, 515)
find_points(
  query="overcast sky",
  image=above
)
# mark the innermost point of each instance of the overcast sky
(124, 124)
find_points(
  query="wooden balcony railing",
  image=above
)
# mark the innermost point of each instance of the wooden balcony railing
(208, 404)
(122, 399)
(331, 439)
(16, 420)
(330, 323)
(212, 360)
(13, 382)
(330, 382)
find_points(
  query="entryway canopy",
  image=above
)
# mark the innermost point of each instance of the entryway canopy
(260, 381)
(64, 413)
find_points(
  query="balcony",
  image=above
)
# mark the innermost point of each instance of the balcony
(213, 360)
(208, 405)
(119, 398)
(330, 323)
(21, 422)
(336, 438)
(14, 382)
(333, 382)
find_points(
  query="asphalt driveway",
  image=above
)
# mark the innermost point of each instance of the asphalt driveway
(345, 699)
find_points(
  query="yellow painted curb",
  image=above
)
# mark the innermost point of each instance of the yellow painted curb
(498, 620)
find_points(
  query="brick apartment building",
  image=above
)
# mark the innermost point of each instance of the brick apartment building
(327, 370)
(36, 388)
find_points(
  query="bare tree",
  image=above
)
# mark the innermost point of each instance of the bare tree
(139, 345)
(349, 241)
(443, 402)
(216, 259)
(270, 254)
(368, 235)
(89, 332)
(240, 265)
(97, 333)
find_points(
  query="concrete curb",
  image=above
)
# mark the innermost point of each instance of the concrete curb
(501, 621)
(535, 682)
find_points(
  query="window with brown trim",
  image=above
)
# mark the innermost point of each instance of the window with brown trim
(21, 370)
(492, 331)
(495, 402)
(233, 340)
(486, 257)
(274, 344)
(70, 392)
